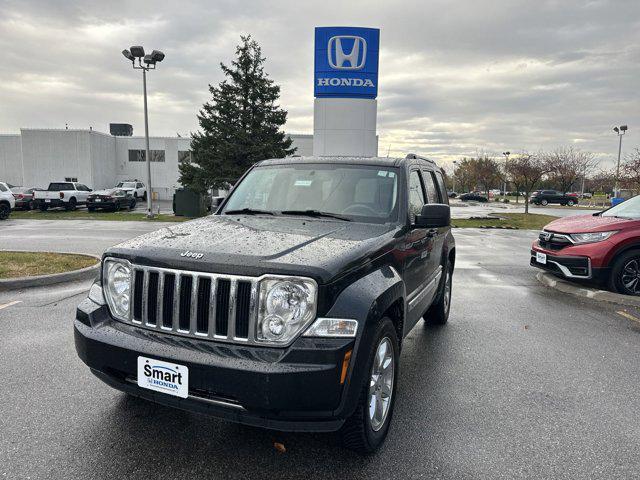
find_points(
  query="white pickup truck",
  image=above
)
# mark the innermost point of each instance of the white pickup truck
(7, 202)
(61, 194)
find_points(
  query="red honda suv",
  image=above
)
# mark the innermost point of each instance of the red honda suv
(603, 248)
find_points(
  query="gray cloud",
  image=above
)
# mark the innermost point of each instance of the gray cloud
(455, 77)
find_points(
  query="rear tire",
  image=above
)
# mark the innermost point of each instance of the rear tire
(144, 196)
(366, 430)
(571, 203)
(625, 274)
(5, 211)
(91, 209)
(438, 312)
(132, 205)
(43, 208)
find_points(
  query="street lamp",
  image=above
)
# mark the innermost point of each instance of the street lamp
(506, 159)
(145, 63)
(455, 163)
(620, 131)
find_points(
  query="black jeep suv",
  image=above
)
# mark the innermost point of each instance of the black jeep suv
(285, 309)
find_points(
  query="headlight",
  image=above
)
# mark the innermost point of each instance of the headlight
(287, 306)
(116, 283)
(591, 237)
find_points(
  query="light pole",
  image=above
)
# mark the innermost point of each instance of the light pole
(620, 131)
(455, 163)
(156, 56)
(506, 159)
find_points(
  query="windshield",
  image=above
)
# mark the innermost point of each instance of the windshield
(126, 185)
(627, 209)
(359, 193)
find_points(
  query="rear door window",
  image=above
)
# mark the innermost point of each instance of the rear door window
(444, 198)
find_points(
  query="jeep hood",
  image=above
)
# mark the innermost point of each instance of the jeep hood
(589, 224)
(256, 245)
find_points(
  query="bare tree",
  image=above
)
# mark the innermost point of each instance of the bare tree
(526, 171)
(631, 170)
(566, 165)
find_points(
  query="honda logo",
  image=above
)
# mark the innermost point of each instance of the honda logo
(340, 60)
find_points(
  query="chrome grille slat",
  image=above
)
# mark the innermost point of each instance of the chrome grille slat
(159, 301)
(203, 300)
(193, 314)
(176, 303)
(212, 307)
(231, 322)
(145, 296)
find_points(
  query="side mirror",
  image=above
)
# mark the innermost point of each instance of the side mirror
(434, 215)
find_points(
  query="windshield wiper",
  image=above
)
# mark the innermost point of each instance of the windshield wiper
(315, 213)
(249, 211)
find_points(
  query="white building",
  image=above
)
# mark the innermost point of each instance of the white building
(35, 157)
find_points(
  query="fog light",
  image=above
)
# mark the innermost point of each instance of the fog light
(273, 327)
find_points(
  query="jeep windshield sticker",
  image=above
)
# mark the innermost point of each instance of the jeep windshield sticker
(303, 183)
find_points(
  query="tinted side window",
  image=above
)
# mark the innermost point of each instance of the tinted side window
(416, 195)
(430, 187)
(3, 188)
(444, 198)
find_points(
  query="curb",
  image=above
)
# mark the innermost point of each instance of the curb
(556, 283)
(86, 273)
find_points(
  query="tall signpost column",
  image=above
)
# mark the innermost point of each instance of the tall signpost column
(345, 90)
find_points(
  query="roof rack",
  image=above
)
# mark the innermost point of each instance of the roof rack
(413, 156)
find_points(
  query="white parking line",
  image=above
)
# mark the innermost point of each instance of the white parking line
(9, 304)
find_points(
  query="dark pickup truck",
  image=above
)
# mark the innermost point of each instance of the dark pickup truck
(287, 308)
(545, 197)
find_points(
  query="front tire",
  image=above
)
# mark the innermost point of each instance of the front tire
(625, 274)
(544, 203)
(72, 205)
(366, 430)
(571, 203)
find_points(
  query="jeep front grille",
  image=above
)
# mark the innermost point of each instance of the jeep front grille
(194, 304)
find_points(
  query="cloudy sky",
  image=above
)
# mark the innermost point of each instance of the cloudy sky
(456, 77)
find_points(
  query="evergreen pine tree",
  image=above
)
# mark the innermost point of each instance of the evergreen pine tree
(240, 125)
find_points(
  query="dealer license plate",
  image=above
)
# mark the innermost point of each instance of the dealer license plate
(541, 258)
(47, 200)
(164, 377)
(98, 200)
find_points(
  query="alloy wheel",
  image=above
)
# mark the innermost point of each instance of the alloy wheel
(630, 276)
(447, 292)
(381, 384)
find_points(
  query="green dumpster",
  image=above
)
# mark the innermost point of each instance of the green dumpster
(187, 203)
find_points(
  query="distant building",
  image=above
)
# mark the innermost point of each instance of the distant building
(35, 157)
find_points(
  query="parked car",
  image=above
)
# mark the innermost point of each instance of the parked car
(452, 194)
(111, 199)
(272, 312)
(603, 248)
(23, 197)
(587, 195)
(68, 195)
(136, 188)
(545, 197)
(473, 196)
(7, 201)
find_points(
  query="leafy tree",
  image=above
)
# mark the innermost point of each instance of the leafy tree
(240, 125)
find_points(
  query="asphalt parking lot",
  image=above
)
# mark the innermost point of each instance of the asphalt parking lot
(523, 382)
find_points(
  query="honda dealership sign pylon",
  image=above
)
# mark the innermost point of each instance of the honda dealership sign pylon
(346, 62)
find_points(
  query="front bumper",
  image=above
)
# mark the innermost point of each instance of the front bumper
(570, 267)
(292, 389)
(94, 204)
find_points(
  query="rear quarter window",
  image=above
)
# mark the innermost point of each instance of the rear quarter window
(57, 187)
